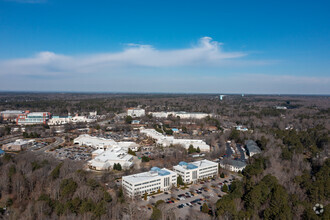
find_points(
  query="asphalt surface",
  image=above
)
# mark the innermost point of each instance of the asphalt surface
(58, 142)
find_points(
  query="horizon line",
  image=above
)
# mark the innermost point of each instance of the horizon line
(167, 93)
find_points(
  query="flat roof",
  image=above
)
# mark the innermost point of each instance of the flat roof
(150, 175)
(183, 166)
(12, 112)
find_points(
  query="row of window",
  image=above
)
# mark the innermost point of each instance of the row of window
(156, 180)
(147, 186)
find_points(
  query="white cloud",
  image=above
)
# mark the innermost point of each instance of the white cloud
(206, 53)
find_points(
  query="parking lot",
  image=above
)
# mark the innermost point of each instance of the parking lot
(74, 153)
(182, 201)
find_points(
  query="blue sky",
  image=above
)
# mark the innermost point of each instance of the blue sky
(165, 46)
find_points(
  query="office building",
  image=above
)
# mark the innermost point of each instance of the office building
(11, 114)
(105, 159)
(33, 118)
(181, 115)
(198, 170)
(166, 141)
(149, 182)
(103, 143)
(136, 112)
(18, 145)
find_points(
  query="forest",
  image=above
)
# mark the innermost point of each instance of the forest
(285, 181)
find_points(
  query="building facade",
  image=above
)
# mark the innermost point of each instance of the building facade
(252, 148)
(198, 170)
(149, 182)
(103, 143)
(136, 112)
(61, 120)
(33, 118)
(166, 141)
(232, 165)
(10, 114)
(105, 159)
(18, 145)
(182, 115)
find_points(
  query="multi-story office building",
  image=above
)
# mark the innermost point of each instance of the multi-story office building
(10, 114)
(166, 141)
(182, 115)
(149, 182)
(136, 112)
(191, 172)
(33, 118)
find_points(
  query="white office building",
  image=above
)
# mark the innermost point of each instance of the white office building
(170, 140)
(103, 143)
(105, 159)
(182, 115)
(61, 120)
(136, 112)
(10, 114)
(149, 182)
(198, 170)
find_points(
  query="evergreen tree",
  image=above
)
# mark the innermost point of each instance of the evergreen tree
(191, 149)
(205, 208)
(180, 181)
(225, 188)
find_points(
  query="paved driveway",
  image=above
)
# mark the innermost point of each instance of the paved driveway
(210, 196)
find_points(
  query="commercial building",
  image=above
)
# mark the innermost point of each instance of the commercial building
(136, 112)
(170, 140)
(149, 182)
(11, 114)
(102, 143)
(32, 118)
(108, 152)
(252, 148)
(18, 145)
(232, 165)
(105, 159)
(191, 172)
(61, 120)
(182, 115)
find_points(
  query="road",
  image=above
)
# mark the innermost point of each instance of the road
(58, 142)
(9, 139)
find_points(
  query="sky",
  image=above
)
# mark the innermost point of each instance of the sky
(256, 47)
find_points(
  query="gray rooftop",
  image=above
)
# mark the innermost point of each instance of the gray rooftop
(236, 163)
(252, 146)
